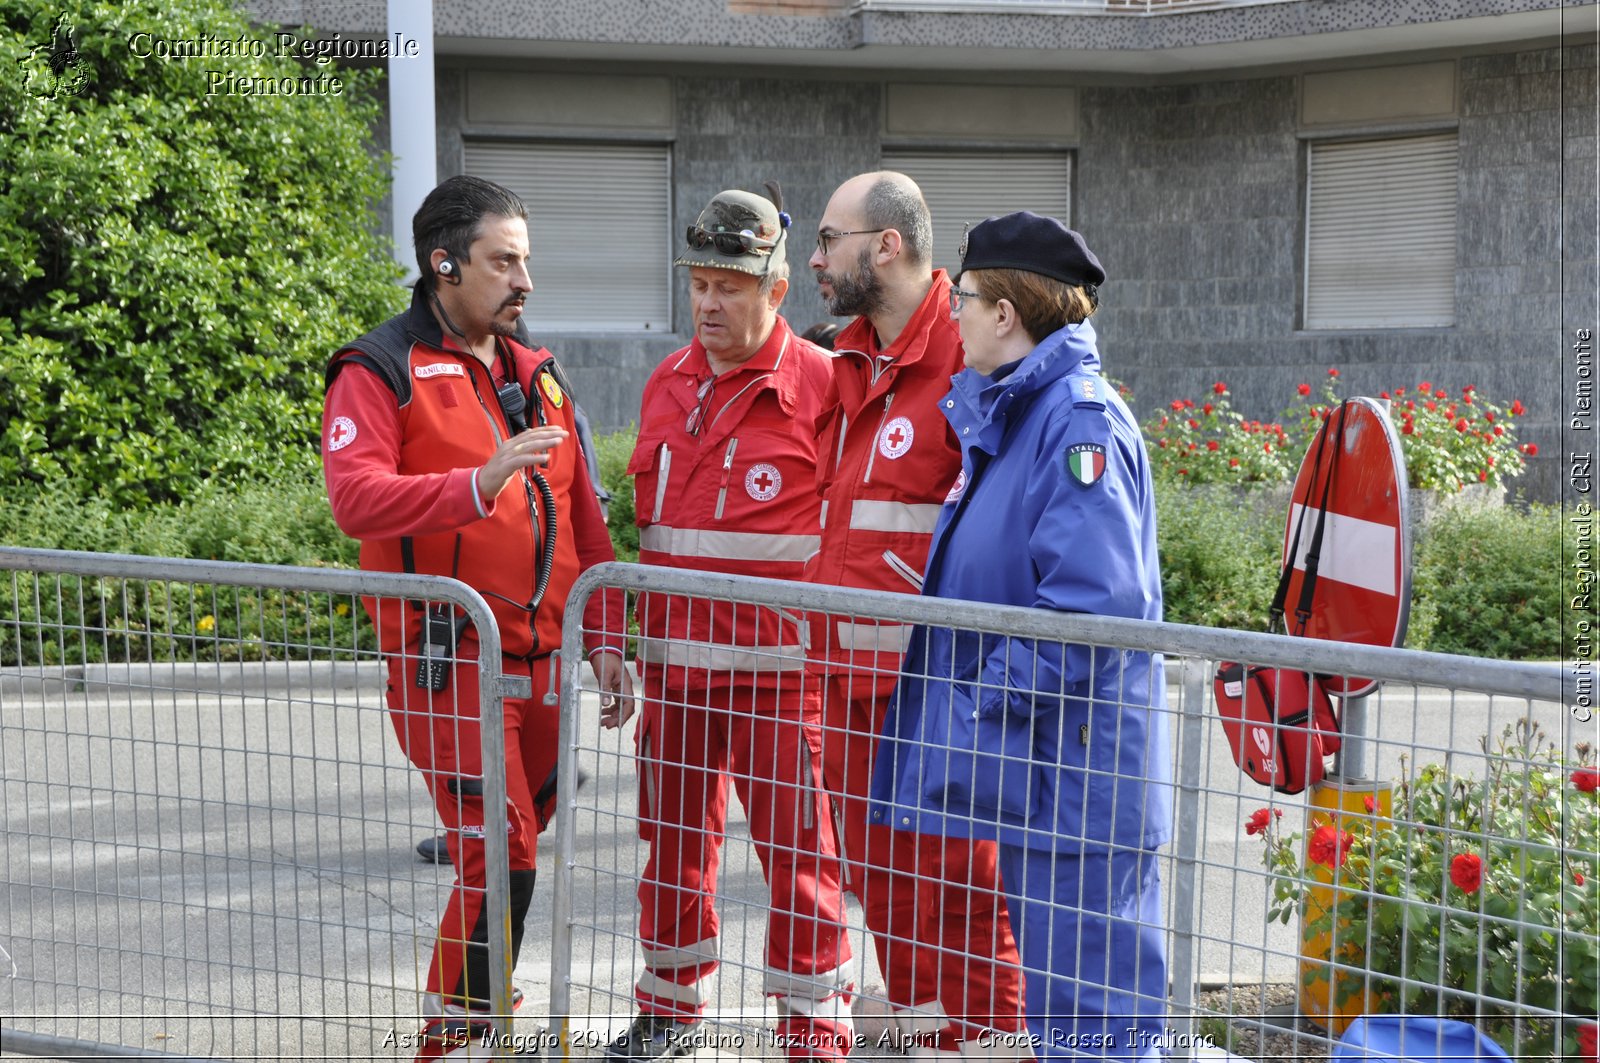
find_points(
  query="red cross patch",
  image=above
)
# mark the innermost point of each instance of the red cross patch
(956, 488)
(762, 482)
(341, 433)
(894, 440)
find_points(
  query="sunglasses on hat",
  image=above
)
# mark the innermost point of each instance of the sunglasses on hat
(743, 242)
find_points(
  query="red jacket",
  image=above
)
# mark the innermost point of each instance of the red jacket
(737, 496)
(889, 460)
(409, 418)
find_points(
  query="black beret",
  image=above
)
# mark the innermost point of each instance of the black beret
(1032, 243)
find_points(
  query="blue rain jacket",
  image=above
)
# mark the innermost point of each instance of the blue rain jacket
(1036, 744)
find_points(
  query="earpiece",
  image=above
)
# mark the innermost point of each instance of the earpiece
(447, 268)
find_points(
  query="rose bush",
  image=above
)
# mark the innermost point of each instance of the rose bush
(1475, 898)
(1448, 442)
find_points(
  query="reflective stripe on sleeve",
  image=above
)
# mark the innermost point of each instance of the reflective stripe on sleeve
(873, 515)
(729, 545)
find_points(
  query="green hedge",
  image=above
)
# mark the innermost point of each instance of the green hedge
(1486, 583)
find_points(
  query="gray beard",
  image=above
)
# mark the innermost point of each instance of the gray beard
(859, 295)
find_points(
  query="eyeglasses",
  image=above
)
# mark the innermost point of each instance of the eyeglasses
(743, 242)
(958, 297)
(823, 236)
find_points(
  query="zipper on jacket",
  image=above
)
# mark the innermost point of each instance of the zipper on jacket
(727, 474)
(877, 435)
(664, 465)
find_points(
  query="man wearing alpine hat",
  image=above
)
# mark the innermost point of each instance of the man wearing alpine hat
(1059, 752)
(724, 481)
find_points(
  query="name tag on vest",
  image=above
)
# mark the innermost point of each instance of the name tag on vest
(440, 369)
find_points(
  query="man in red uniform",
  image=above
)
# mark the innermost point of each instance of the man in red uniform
(944, 945)
(724, 475)
(430, 462)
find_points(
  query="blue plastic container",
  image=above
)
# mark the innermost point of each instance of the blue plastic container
(1414, 1039)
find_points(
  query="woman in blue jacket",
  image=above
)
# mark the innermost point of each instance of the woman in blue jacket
(1059, 752)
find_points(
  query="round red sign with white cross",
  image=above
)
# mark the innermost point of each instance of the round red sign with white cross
(341, 433)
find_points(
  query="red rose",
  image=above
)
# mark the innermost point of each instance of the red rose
(1516, 408)
(1207, 408)
(1193, 423)
(1183, 472)
(1411, 404)
(1267, 447)
(1499, 431)
(1586, 779)
(1304, 389)
(1424, 386)
(1220, 388)
(1398, 392)
(1461, 425)
(1260, 819)
(1408, 429)
(1439, 393)
(1431, 405)
(1370, 803)
(1383, 394)
(1483, 476)
(1333, 372)
(1531, 449)
(1577, 878)
(1466, 398)
(1211, 444)
(1330, 846)
(1466, 871)
(1233, 463)
(1162, 443)
(1488, 415)
(1177, 405)
(1586, 1040)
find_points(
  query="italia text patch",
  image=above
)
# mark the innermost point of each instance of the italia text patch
(1086, 463)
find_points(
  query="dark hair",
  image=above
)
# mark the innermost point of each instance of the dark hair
(1043, 303)
(896, 204)
(452, 216)
(823, 333)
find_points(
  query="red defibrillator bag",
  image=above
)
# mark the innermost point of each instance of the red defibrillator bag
(1281, 723)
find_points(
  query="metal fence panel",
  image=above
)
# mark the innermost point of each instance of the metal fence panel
(1481, 835)
(206, 822)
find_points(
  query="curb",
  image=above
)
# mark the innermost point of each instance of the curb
(232, 677)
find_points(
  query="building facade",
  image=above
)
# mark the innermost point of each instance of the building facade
(1403, 190)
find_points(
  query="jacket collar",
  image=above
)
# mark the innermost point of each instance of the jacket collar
(424, 328)
(775, 357)
(984, 403)
(912, 343)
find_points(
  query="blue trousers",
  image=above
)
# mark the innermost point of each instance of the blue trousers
(1090, 932)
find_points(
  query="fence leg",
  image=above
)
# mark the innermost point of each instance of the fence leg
(566, 842)
(1191, 725)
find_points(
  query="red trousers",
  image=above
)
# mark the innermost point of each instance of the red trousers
(440, 734)
(933, 904)
(690, 745)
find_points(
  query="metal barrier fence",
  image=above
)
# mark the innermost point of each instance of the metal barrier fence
(206, 821)
(1467, 887)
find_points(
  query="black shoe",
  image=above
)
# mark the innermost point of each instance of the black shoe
(433, 850)
(652, 1037)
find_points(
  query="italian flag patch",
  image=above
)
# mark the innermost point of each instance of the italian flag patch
(1086, 463)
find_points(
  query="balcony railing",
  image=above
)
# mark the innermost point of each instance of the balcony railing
(1059, 7)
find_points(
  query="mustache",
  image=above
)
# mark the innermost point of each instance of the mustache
(515, 300)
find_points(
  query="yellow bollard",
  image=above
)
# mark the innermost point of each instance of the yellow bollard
(1336, 798)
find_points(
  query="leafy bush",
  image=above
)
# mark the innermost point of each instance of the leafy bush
(1212, 443)
(1468, 888)
(1490, 581)
(613, 451)
(1219, 555)
(175, 267)
(65, 620)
